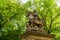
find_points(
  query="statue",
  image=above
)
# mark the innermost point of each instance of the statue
(34, 22)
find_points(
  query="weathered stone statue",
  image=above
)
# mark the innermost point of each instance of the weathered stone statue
(35, 22)
(34, 29)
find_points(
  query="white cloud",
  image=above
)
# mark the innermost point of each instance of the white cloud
(24, 1)
(58, 2)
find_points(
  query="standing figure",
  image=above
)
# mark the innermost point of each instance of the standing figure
(34, 22)
(31, 18)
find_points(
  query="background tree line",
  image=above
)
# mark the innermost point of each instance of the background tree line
(13, 17)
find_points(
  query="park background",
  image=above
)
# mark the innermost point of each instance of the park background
(13, 17)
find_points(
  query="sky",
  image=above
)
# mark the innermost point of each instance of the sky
(57, 1)
(24, 1)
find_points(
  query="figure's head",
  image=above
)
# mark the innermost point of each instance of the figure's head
(29, 13)
(35, 13)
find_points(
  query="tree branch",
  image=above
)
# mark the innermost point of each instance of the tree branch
(56, 23)
(7, 20)
(55, 17)
(49, 31)
(52, 20)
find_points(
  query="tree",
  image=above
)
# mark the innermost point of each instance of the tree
(12, 20)
(13, 17)
(47, 10)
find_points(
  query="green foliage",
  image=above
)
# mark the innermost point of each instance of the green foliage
(13, 17)
(12, 20)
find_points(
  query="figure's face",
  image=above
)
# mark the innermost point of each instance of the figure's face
(30, 15)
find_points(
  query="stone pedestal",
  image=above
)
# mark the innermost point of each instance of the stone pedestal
(35, 35)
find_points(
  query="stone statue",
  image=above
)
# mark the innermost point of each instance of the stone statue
(34, 22)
